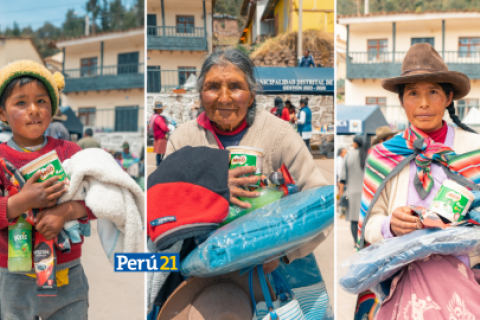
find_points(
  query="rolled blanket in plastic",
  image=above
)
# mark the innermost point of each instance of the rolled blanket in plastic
(378, 262)
(264, 234)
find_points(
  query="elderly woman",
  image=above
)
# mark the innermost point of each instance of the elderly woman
(409, 166)
(227, 88)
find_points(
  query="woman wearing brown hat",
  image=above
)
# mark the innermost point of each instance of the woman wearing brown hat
(442, 287)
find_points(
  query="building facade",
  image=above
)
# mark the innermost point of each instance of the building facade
(104, 80)
(377, 43)
(16, 48)
(178, 39)
(273, 17)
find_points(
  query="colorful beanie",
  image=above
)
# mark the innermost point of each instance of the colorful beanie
(54, 82)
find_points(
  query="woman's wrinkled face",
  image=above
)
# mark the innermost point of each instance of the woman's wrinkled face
(425, 104)
(226, 96)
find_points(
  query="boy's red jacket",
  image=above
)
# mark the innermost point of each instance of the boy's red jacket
(65, 150)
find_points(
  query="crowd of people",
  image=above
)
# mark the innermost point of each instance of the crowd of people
(161, 127)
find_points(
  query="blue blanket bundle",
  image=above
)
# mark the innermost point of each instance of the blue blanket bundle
(271, 231)
(378, 262)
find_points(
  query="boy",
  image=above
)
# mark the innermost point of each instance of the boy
(29, 96)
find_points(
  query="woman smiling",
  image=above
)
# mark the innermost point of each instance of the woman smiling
(229, 117)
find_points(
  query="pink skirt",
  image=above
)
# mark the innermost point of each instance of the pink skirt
(437, 288)
(160, 146)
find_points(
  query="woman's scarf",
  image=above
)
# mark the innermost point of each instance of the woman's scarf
(389, 158)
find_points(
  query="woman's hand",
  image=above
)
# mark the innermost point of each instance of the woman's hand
(234, 181)
(404, 222)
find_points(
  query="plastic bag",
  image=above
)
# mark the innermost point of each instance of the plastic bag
(378, 262)
(264, 234)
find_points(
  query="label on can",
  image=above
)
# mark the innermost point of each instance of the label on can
(450, 204)
(19, 243)
(247, 160)
(50, 169)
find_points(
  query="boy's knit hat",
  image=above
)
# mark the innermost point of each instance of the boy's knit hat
(54, 82)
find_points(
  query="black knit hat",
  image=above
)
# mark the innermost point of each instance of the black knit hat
(188, 195)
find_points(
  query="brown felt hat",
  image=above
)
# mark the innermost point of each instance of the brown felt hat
(382, 132)
(422, 63)
(224, 297)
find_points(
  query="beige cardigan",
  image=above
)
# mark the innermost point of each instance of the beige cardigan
(280, 143)
(395, 193)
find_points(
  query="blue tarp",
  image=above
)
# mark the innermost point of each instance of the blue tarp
(361, 120)
(278, 80)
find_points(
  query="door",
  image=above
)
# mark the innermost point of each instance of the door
(151, 24)
(154, 84)
(127, 63)
(126, 118)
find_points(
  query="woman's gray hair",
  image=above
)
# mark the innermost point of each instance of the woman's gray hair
(241, 61)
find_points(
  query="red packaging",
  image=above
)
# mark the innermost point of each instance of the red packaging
(45, 262)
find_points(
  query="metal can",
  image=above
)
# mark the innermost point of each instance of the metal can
(245, 157)
(452, 201)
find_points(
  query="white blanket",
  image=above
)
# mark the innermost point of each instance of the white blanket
(112, 195)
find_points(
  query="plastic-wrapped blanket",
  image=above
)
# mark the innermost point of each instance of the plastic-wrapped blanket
(378, 262)
(264, 234)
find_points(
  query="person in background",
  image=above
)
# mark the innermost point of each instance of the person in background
(304, 122)
(307, 60)
(351, 181)
(118, 158)
(383, 134)
(126, 154)
(291, 111)
(88, 141)
(56, 129)
(342, 152)
(279, 109)
(160, 131)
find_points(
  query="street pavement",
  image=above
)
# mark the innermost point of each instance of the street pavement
(112, 295)
(325, 251)
(345, 301)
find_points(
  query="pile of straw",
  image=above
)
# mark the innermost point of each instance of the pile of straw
(281, 50)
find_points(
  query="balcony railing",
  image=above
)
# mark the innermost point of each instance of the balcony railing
(374, 65)
(166, 80)
(122, 76)
(181, 38)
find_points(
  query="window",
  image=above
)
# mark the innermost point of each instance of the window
(379, 101)
(153, 79)
(375, 46)
(87, 116)
(469, 47)
(185, 24)
(430, 41)
(126, 118)
(151, 24)
(127, 63)
(464, 106)
(184, 73)
(88, 67)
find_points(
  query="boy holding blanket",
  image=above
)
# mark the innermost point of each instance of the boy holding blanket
(29, 97)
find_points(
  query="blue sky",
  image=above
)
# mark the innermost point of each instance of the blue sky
(35, 12)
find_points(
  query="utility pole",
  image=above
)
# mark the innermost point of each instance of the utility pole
(299, 47)
(87, 25)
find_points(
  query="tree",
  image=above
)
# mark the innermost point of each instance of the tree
(73, 26)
